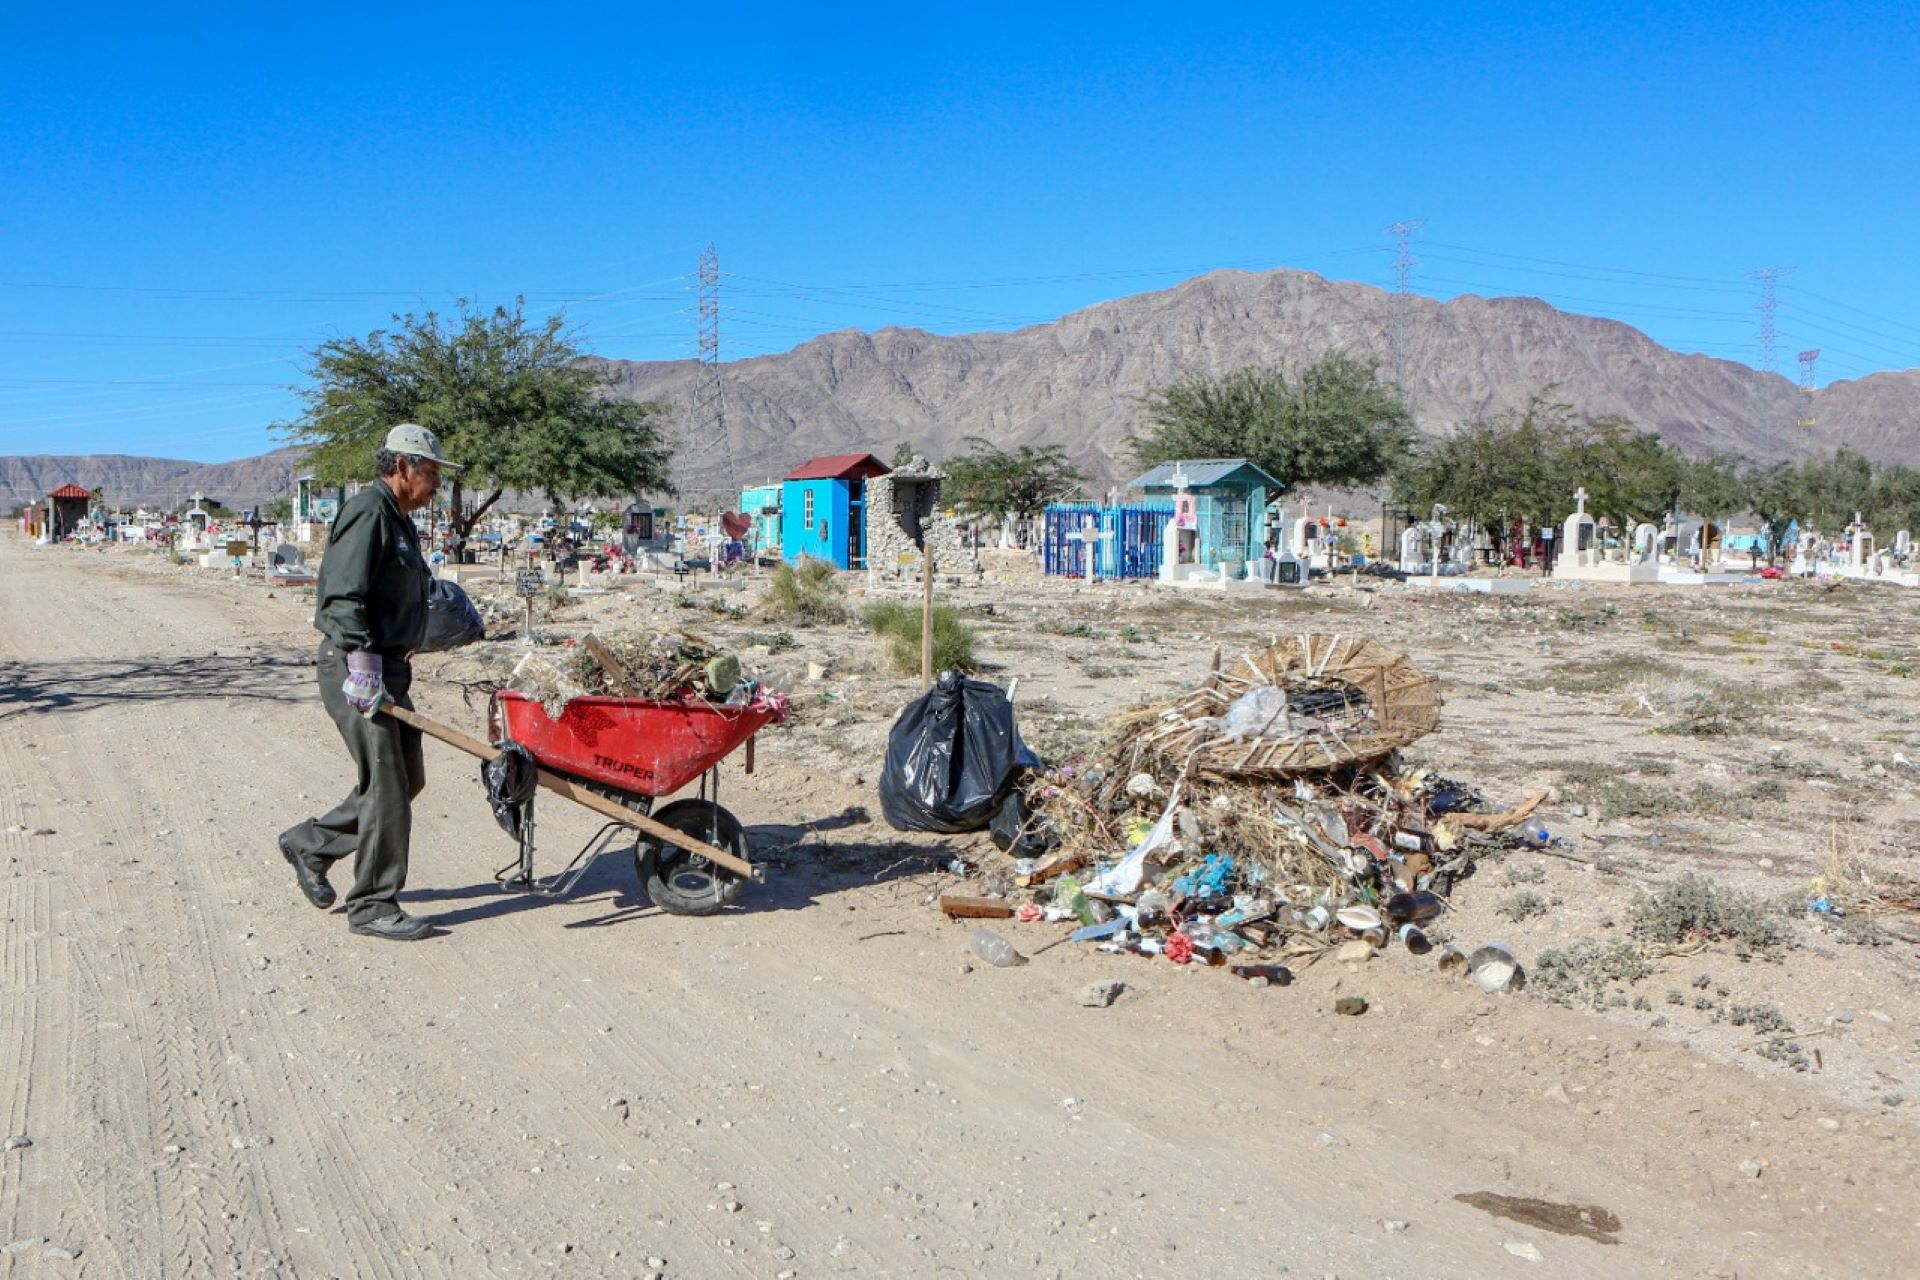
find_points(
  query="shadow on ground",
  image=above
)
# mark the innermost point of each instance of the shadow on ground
(802, 869)
(39, 688)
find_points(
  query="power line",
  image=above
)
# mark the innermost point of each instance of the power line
(1705, 282)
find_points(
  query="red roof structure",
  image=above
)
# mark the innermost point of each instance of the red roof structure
(841, 466)
(70, 491)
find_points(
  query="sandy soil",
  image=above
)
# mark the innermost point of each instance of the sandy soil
(218, 1080)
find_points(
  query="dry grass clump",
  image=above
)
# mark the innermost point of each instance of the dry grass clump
(809, 593)
(899, 625)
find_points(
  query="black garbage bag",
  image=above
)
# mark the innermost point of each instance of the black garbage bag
(510, 778)
(952, 757)
(1017, 830)
(452, 620)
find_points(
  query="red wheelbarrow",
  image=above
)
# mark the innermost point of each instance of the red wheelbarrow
(617, 756)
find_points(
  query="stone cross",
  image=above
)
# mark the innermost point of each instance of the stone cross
(1580, 500)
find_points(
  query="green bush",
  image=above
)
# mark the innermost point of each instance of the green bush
(899, 625)
(1585, 972)
(1693, 908)
(808, 592)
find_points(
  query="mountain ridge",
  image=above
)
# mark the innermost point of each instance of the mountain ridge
(1078, 382)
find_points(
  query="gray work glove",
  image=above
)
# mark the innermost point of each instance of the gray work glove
(365, 670)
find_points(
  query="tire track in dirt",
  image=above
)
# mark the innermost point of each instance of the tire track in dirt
(242, 1195)
(254, 1077)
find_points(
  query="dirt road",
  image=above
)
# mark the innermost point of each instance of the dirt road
(218, 1080)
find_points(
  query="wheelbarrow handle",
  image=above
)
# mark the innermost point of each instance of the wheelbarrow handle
(561, 786)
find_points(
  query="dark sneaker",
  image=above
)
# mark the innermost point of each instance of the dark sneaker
(312, 883)
(399, 926)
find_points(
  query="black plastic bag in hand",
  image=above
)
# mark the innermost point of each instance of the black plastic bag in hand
(951, 758)
(452, 620)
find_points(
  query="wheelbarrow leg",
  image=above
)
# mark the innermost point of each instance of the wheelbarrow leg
(517, 875)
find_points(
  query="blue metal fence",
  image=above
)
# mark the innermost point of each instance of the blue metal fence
(1133, 550)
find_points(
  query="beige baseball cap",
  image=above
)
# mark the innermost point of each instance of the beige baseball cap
(412, 440)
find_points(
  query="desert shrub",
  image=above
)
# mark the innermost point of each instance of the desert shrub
(1521, 906)
(1765, 1019)
(1583, 973)
(1718, 713)
(1692, 909)
(1607, 674)
(899, 625)
(1785, 1052)
(1623, 797)
(776, 641)
(808, 592)
(718, 608)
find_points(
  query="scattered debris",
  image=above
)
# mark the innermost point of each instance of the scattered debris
(1266, 814)
(1100, 995)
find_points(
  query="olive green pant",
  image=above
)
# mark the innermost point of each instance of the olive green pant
(375, 821)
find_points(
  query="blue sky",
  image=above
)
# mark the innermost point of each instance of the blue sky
(190, 200)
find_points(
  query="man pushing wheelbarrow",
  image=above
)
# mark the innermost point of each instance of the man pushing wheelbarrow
(612, 755)
(372, 615)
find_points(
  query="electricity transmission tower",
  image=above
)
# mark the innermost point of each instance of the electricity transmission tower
(1403, 265)
(708, 417)
(1807, 360)
(1768, 306)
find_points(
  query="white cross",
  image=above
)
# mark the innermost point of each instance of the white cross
(1090, 535)
(1580, 500)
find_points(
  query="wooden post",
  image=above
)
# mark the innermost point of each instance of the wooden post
(926, 618)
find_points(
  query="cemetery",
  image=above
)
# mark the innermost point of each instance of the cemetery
(1615, 786)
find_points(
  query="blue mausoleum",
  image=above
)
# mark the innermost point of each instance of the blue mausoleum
(1219, 505)
(823, 509)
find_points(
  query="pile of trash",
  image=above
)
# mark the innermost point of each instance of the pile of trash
(1266, 816)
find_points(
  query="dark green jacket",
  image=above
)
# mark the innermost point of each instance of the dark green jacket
(372, 589)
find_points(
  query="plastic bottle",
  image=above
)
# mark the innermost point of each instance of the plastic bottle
(1535, 833)
(995, 950)
(1068, 894)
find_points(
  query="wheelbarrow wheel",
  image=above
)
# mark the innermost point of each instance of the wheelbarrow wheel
(684, 883)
